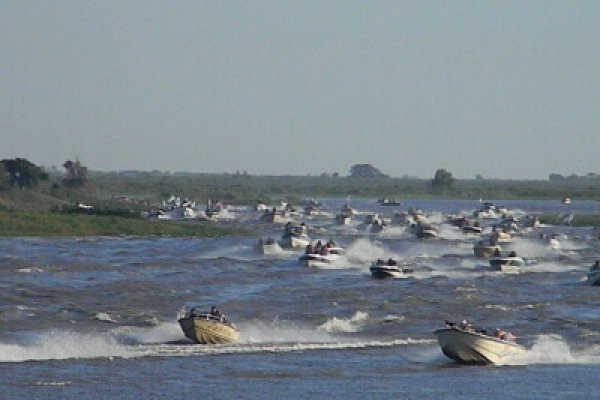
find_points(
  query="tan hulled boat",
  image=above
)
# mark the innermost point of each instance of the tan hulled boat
(471, 347)
(209, 329)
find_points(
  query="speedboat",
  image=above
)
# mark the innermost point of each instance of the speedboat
(381, 270)
(388, 202)
(501, 237)
(268, 246)
(208, 328)
(273, 217)
(475, 347)
(343, 219)
(485, 249)
(506, 263)
(319, 260)
(316, 259)
(425, 231)
(594, 274)
(295, 236)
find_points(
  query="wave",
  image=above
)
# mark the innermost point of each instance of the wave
(166, 340)
(553, 349)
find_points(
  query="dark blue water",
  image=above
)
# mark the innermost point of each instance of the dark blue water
(96, 318)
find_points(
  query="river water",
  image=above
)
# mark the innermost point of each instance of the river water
(95, 318)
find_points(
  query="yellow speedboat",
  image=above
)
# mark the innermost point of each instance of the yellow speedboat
(208, 328)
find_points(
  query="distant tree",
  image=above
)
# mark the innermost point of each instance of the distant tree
(22, 173)
(442, 181)
(76, 174)
(366, 171)
(556, 177)
(479, 177)
(3, 175)
(335, 174)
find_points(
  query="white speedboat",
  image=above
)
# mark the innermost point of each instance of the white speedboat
(594, 274)
(507, 263)
(268, 246)
(343, 219)
(471, 347)
(383, 270)
(295, 236)
(425, 231)
(319, 260)
(208, 328)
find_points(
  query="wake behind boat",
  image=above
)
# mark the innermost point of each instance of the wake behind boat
(208, 328)
(464, 344)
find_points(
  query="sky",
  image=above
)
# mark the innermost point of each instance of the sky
(504, 89)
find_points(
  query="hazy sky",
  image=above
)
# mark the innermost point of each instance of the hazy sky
(505, 89)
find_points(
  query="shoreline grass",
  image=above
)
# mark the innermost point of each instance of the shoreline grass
(15, 223)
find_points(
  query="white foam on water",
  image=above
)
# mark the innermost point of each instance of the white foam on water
(364, 251)
(553, 349)
(352, 324)
(60, 345)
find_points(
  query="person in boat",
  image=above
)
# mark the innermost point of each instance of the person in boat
(497, 253)
(325, 249)
(596, 266)
(465, 325)
(380, 261)
(318, 246)
(309, 249)
(391, 262)
(215, 312)
(512, 254)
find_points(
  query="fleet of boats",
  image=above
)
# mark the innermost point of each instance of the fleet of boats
(460, 342)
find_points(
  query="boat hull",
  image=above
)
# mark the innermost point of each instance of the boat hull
(506, 263)
(388, 271)
(475, 348)
(594, 277)
(485, 251)
(208, 331)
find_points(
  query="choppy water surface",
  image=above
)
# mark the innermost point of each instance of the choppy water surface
(96, 317)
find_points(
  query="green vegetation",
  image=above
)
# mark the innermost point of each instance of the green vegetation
(591, 220)
(31, 223)
(38, 202)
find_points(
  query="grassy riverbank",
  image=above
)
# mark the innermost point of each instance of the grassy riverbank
(579, 220)
(32, 223)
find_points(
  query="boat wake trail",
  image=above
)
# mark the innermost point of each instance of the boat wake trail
(166, 340)
(553, 349)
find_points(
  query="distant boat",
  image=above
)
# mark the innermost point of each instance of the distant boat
(566, 200)
(388, 202)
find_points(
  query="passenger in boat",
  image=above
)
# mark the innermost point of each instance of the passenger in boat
(380, 261)
(309, 249)
(465, 325)
(325, 249)
(512, 254)
(215, 312)
(497, 253)
(318, 246)
(391, 262)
